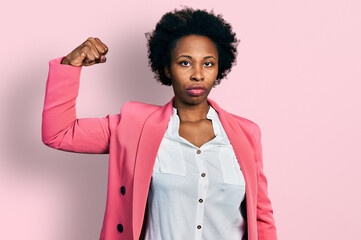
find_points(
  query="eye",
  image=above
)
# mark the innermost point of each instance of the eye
(208, 64)
(184, 63)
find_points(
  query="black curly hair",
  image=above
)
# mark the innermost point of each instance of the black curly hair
(180, 23)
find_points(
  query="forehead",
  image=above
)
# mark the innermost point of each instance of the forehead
(194, 45)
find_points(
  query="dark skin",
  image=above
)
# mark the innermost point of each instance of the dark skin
(90, 52)
(194, 62)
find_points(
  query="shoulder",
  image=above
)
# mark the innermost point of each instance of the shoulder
(247, 123)
(134, 109)
(136, 106)
(132, 112)
(249, 127)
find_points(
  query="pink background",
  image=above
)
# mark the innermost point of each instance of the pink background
(297, 76)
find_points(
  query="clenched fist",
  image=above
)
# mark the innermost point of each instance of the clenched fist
(90, 52)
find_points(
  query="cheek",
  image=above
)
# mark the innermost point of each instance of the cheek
(216, 69)
(175, 83)
(179, 77)
(212, 75)
(179, 72)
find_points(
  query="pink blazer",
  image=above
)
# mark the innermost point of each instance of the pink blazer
(132, 139)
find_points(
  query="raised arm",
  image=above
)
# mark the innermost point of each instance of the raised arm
(60, 127)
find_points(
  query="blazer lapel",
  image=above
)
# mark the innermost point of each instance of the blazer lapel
(152, 134)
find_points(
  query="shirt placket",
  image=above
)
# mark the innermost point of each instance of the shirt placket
(203, 182)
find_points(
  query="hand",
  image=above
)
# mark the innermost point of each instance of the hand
(90, 52)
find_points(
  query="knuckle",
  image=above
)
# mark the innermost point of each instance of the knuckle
(85, 48)
(87, 43)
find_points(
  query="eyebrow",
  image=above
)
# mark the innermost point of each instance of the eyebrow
(187, 56)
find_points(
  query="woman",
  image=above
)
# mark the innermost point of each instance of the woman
(185, 170)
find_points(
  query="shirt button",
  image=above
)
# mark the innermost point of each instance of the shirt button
(199, 226)
(120, 227)
(122, 190)
(203, 174)
(198, 151)
(200, 200)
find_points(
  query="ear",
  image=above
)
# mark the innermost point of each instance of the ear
(167, 72)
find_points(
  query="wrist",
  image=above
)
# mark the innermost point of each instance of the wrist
(65, 61)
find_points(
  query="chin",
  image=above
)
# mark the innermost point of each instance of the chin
(195, 100)
(190, 99)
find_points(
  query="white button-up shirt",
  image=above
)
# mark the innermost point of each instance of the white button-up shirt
(195, 192)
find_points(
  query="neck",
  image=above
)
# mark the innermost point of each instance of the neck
(191, 112)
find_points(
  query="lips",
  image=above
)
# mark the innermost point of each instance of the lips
(196, 87)
(196, 90)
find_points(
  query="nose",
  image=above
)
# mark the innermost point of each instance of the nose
(197, 74)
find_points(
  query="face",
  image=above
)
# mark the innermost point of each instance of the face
(193, 69)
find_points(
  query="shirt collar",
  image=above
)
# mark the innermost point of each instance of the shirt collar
(173, 127)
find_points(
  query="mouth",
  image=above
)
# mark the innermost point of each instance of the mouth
(196, 90)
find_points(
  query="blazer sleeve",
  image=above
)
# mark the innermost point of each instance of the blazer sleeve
(265, 220)
(60, 127)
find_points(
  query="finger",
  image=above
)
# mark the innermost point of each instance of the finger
(103, 48)
(89, 55)
(100, 48)
(94, 48)
(90, 59)
(103, 58)
(87, 62)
